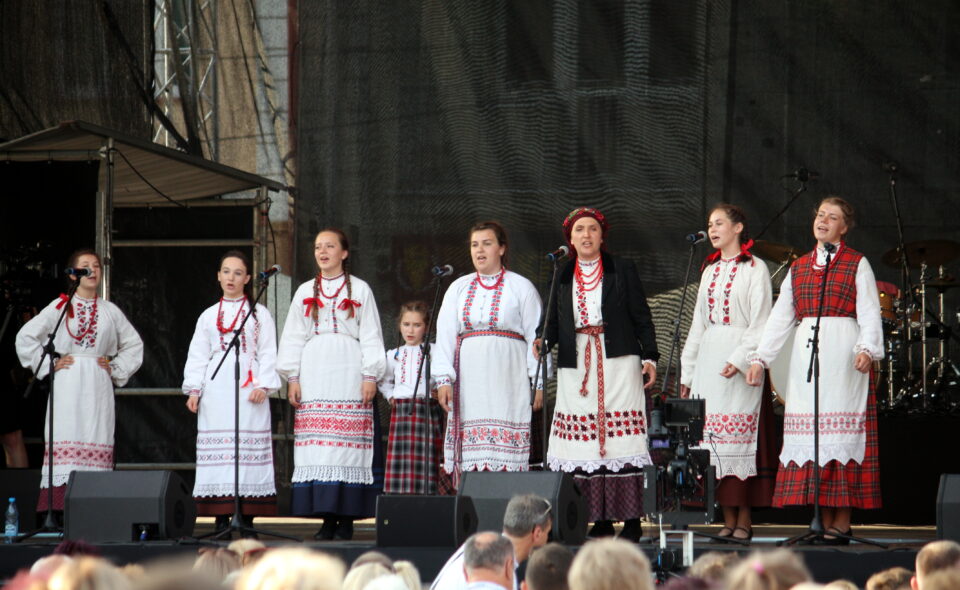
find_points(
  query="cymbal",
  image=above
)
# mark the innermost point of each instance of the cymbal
(933, 252)
(942, 284)
(776, 252)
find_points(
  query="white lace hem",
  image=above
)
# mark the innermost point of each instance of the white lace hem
(448, 467)
(590, 465)
(333, 473)
(740, 469)
(219, 490)
(58, 479)
(800, 454)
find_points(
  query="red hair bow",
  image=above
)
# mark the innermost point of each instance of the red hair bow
(311, 302)
(348, 303)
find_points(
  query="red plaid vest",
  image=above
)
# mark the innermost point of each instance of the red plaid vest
(840, 300)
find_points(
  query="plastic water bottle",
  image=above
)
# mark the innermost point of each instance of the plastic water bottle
(12, 522)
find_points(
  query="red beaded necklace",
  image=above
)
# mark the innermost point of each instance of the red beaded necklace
(590, 280)
(91, 322)
(503, 271)
(335, 293)
(233, 324)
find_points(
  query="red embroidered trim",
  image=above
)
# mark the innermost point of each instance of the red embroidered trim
(88, 331)
(233, 324)
(727, 287)
(830, 423)
(587, 427)
(594, 333)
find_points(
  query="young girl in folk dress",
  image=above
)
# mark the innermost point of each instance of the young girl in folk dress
(733, 303)
(213, 399)
(331, 353)
(98, 348)
(415, 447)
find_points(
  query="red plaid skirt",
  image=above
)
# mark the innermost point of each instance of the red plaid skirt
(841, 486)
(415, 447)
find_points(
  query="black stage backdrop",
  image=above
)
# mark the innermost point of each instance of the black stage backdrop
(418, 118)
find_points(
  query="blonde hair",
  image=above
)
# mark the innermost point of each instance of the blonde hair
(842, 585)
(217, 562)
(409, 573)
(249, 550)
(610, 564)
(293, 568)
(779, 569)
(358, 577)
(89, 573)
(895, 578)
(713, 565)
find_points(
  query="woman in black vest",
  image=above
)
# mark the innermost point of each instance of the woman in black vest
(607, 356)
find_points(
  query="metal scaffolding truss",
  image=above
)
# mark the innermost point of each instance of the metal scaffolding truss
(185, 70)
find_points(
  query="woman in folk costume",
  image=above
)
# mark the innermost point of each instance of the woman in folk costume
(98, 349)
(733, 303)
(214, 399)
(851, 338)
(331, 353)
(482, 361)
(415, 444)
(607, 357)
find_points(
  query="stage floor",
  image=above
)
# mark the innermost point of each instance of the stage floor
(855, 562)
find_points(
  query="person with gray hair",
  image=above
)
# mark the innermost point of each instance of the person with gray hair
(488, 562)
(526, 523)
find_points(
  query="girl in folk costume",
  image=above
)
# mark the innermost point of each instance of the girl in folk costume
(732, 306)
(851, 338)
(214, 399)
(98, 349)
(483, 362)
(331, 353)
(415, 445)
(607, 346)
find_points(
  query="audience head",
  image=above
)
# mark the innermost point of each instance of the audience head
(945, 579)
(293, 568)
(610, 564)
(88, 573)
(935, 556)
(488, 556)
(409, 573)
(372, 557)
(713, 565)
(779, 569)
(895, 578)
(358, 577)
(547, 568)
(388, 582)
(841, 585)
(527, 521)
(45, 566)
(249, 550)
(217, 561)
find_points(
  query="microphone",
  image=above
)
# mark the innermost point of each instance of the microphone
(891, 166)
(558, 253)
(830, 248)
(79, 272)
(266, 274)
(696, 238)
(442, 271)
(803, 174)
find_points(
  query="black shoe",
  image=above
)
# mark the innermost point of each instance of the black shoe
(836, 540)
(632, 530)
(247, 520)
(327, 530)
(601, 528)
(746, 538)
(344, 530)
(222, 523)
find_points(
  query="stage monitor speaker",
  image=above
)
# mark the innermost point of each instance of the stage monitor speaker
(424, 521)
(948, 507)
(492, 490)
(125, 506)
(24, 485)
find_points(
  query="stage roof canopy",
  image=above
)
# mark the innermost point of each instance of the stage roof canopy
(138, 164)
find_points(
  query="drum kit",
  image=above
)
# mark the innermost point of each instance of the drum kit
(917, 373)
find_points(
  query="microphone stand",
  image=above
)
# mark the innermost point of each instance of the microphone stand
(542, 362)
(425, 347)
(675, 339)
(816, 531)
(236, 523)
(51, 355)
(796, 194)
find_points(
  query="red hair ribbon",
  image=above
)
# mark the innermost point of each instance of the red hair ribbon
(63, 300)
(348, 303)
(311, 301)
(249, 378)
(744, 255)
